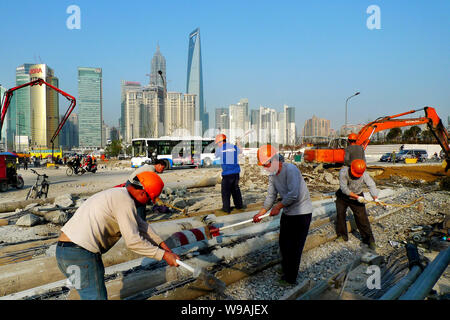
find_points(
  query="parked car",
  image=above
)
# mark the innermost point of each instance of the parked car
(386, 157)
(420, 154)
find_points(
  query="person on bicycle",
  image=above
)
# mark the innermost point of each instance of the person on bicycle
(99, 223)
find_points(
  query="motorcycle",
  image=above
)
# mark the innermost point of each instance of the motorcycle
(73, 167)
(86, 168)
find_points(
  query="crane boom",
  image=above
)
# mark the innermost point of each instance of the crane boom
(9, 94)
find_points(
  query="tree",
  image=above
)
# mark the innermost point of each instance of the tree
(412, 134)
(428, 136)
(114, 148)
(394, 134)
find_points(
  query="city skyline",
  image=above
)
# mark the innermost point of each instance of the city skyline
(317, 56)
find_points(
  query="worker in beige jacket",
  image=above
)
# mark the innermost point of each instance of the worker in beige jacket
(99, 223)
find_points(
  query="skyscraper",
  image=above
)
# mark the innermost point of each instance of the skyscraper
(222, 119)
(44, 107)
(158, 63)
(90, 114)
(124, 87)
(316, 127)
(22, 104)
(194, 84)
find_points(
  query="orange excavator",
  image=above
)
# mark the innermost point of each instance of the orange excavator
(434, 123)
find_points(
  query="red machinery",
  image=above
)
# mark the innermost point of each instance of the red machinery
(336, 155)
(7, 100)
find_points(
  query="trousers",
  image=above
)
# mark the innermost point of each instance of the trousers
(293, 233)
(360, 214)
(230, 187)
(84, 269)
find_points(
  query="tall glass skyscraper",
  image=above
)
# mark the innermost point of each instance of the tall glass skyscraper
(158, 63)
(21, 101)
(90, 112)
(195, 81)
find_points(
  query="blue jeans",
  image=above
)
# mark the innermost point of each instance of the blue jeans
(85, 270)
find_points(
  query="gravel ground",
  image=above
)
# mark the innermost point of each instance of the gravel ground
(322, 262)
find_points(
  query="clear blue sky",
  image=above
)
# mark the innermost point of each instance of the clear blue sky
(308, 54)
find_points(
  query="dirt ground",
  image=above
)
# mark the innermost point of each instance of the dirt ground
(429, 173)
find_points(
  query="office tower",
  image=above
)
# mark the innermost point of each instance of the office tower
(124, 87)
(44, 107)
(222, 119)
(69, 132)
(239, 123)
(194, 83)
(316, 127)
(158, 63)
(90, 114)
(7, 134)
(21, 101)
(254, 125)
(144, 113)
(114, 134)
(267, 125)
(189, 105)
(289, 128)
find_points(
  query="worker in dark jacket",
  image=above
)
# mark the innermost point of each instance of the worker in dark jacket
(228, 154)
(353, 150)
(286, 180)
(350, 194)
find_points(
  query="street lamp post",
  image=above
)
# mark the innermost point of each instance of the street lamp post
(346, 102)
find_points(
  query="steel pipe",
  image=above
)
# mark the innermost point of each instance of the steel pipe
(395, 292)
(425, 282)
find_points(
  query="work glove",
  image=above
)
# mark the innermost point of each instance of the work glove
(361, 199)
(377, 202)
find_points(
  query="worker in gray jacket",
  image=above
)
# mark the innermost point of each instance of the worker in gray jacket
(286, 181)
(353, 151)
(350, 194)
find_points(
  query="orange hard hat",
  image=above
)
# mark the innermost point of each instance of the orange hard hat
(352, 136)
(152, 183)
(358, 167)
(220, 137)
(265, 153)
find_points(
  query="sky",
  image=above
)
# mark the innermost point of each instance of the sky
(310, 55)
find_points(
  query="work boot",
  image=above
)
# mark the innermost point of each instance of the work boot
(342, 238)
(223, 211)
(372, 245)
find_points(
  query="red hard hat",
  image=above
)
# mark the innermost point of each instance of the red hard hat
(220, 137)
(352, 136)
(358, 167)
(152, 183)
(265, 153)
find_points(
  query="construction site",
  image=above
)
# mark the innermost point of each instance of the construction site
(239, 263)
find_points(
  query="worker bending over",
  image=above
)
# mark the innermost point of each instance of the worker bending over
(286, 180)
(228, 154)
(350, 194)
(353, 150)
(99, 223)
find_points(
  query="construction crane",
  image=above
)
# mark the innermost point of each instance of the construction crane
(9, 94)
(431, 119)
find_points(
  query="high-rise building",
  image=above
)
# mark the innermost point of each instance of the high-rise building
(194, 83)
(239, 122)
(267, 125)
(69, 132)
(7, 134)
(114, 134)
(90, 100)
(44, 107)
(316, 127)
(124, 87)
(290, 132)
(158, 64)
(222, 119)
(21, 101)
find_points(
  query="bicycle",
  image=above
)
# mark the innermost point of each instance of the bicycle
(40, 188)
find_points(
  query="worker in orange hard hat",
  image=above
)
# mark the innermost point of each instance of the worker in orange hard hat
(228, 154)
(353, 150)
(350, 194)
(286, 181)
(99, 223)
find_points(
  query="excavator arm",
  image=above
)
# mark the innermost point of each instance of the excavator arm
(9, 94)
(431, 118)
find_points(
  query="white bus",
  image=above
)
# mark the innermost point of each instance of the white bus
(175, 151)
